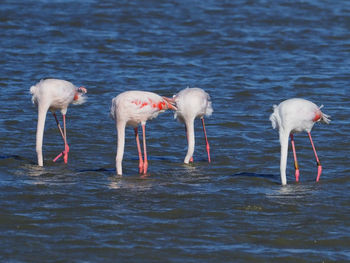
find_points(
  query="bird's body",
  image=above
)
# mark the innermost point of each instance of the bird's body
(53, 95)
(131, 108)
(135, 107)
(192, 103)
(293, 116)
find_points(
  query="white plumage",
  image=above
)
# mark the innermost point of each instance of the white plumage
(129, 109)
(292, 116)
(53, 95)
(192, 103)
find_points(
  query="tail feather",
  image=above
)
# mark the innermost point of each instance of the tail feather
(32, 89)
(274, 118)
(33, 92)
(325, 118)
(113, 109)
(209, 109)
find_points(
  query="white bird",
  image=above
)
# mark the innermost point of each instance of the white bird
(192, 103)
(54, 94)
(129, 109)
(292, 116)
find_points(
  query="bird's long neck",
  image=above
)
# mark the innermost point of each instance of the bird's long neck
(284, 136)
(190, 139)
(120, 148)
(42, 110)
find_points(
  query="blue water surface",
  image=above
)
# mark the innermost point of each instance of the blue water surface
(248, 55)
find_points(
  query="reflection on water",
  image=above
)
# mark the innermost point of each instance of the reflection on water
(140, 183)
(35, 170)
(292, 193)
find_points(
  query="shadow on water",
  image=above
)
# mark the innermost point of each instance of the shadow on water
(245, 174)
(16, 157)
(96, 170)
(276, 179)
(248, 175)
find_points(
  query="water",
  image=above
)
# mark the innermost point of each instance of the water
(248, 55)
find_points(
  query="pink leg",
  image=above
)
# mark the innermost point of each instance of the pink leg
(66, 147)
(139, 150)
(145, 164)
(319, 166)
(295, 159)
(206, 140)
(58, 125)
(64, 136)
(57, 157)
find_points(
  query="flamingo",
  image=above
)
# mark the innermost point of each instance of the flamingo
(54, 94)
(192, 103)
(292, 116)
(129, 109)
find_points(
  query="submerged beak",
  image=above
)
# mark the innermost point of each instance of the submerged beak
(170, 103)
